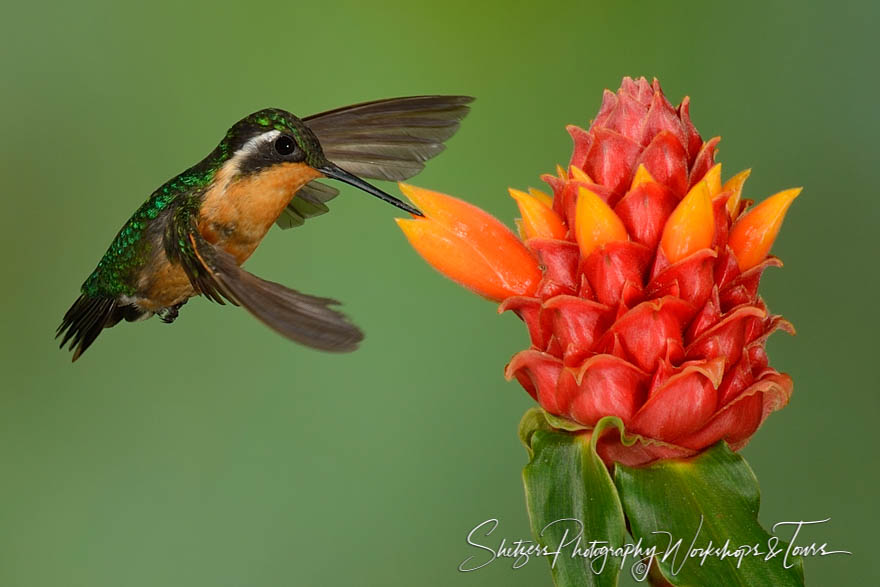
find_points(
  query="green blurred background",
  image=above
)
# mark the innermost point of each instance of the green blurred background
(215, 453)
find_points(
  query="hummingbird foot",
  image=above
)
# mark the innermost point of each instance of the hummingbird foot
(169, 314)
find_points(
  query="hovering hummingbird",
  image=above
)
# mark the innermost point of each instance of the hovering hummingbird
(193, 233)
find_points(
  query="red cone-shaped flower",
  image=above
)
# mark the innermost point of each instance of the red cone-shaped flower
(639, 288)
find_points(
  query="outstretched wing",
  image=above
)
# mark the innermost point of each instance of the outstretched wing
(386, 139)
(214, 273)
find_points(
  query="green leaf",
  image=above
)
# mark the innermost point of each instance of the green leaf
(709, 499)
(572, 501)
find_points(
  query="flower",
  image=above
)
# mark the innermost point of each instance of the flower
(637, 280)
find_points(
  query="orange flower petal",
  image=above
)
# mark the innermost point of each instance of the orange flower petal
(469, 246)
(691, 225)
(753, 235)
(735, 185)
(538, 220)
(596, 224)
(713, 180)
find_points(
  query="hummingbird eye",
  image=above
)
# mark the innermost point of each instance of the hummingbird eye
(284, 145)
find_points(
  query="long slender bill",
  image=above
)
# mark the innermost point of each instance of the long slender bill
(335, 172)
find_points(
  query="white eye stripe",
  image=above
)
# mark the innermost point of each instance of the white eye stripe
(255, 143)
(231, 168)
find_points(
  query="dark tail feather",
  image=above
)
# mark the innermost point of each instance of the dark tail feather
(84, 321)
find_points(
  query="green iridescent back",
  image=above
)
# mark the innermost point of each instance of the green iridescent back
(117, 272)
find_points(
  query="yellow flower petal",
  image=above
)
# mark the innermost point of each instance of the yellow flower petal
(691, 226)
(713, 180)
(596, 224)
(518, 223)
(579, 174)
(546, 199)
(538, 219)
(735, 185)
(642, 176)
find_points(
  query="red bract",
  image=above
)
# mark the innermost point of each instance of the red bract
(637, 281)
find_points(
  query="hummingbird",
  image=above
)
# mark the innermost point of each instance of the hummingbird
(193, 233)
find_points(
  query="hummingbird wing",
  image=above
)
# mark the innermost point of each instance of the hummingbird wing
(306, 319)
(386, 139)
(309, 201)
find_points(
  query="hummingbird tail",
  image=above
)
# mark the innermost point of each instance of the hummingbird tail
(85, 320)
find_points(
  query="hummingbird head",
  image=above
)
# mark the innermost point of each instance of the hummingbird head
(273, 137)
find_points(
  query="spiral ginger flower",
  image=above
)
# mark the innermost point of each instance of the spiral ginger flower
(637, 280)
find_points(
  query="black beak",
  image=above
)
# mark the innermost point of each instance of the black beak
(333, 171)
